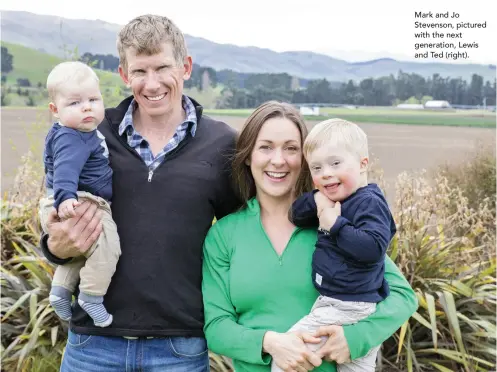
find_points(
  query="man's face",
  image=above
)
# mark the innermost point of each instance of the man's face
(156, 80)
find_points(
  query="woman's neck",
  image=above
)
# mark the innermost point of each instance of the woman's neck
(275, 208)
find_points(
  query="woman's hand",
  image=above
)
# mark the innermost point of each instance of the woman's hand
(74, 236)
(336, 347)
(289, 351)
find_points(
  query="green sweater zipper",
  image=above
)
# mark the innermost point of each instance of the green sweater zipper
(248, 289)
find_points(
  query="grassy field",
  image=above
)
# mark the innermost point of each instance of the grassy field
(35, 66)
(460, 118)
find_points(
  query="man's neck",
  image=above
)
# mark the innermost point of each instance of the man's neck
(163, 125)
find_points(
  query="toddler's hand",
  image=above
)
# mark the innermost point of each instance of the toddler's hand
(322, 202)
(66, 208)
(329, 215)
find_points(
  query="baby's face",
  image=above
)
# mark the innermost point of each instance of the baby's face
(79, 106)
(336, 171)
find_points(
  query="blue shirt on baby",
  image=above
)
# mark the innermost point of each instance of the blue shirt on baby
(76, 161)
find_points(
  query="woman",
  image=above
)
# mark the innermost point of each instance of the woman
(257, 264)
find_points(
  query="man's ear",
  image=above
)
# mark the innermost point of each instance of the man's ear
(124, 75)
(364, 164)
(53, 109)
(188, 67)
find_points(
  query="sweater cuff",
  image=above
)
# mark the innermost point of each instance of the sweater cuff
(257, 336)
(354, 338)
(51, 257)
(339, 223)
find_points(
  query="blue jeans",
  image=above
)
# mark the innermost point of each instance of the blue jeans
(86, 353)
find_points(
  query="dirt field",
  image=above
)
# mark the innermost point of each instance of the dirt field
(398, 148)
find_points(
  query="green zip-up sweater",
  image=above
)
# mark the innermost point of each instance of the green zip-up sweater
(248, 290)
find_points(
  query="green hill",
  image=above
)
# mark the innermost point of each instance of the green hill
(35, 65)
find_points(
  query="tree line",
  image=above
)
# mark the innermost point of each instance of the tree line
(248, 90)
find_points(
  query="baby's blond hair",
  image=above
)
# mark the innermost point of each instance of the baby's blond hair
(65, 72)
(337, 132)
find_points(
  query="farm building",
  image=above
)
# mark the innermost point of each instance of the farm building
(306, 110)
(410, 106)
(437, 105)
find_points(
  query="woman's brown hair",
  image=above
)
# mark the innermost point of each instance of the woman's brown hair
(245, 143)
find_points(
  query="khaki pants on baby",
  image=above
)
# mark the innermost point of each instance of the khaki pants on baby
(329, 311)
(95, 269)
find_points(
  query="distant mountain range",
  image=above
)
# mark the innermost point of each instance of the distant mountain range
(50, 34)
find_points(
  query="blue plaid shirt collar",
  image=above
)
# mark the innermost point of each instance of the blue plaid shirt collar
(188, 106)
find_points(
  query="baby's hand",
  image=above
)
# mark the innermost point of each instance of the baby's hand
(322, 202)
(66, 208)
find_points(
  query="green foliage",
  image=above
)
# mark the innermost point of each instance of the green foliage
(6, 61)
(448, 256)
(32, 335)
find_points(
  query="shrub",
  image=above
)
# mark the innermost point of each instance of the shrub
(475, 176)
(448, 256)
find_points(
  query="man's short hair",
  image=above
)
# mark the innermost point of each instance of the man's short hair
(337, 132)
(68, 72)
(146, 34)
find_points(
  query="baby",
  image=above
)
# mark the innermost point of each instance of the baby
(77, 168)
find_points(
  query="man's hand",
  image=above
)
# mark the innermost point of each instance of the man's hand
(289, 351)
(67, 208)
(336, 347)
(74, 236)
(322, 202)
(329, 215)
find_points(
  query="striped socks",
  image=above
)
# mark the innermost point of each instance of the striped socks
(95, 308)
(62, 307)
(60, 299)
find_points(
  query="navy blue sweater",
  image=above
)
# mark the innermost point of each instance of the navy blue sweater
(348, 264)
(76, 160)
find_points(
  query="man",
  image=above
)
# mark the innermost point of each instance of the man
(171, 176)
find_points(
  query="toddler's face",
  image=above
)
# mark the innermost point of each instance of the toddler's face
(79, 106)
(336, 171)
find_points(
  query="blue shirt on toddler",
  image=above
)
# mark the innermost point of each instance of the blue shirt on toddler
(76, 161)
(349, 261)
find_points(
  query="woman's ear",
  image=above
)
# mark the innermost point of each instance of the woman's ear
(247, 162)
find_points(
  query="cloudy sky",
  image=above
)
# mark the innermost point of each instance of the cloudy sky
(354, 30)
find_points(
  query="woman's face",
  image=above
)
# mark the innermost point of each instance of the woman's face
(276, 158)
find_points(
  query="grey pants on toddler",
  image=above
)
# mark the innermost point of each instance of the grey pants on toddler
(330, 311)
